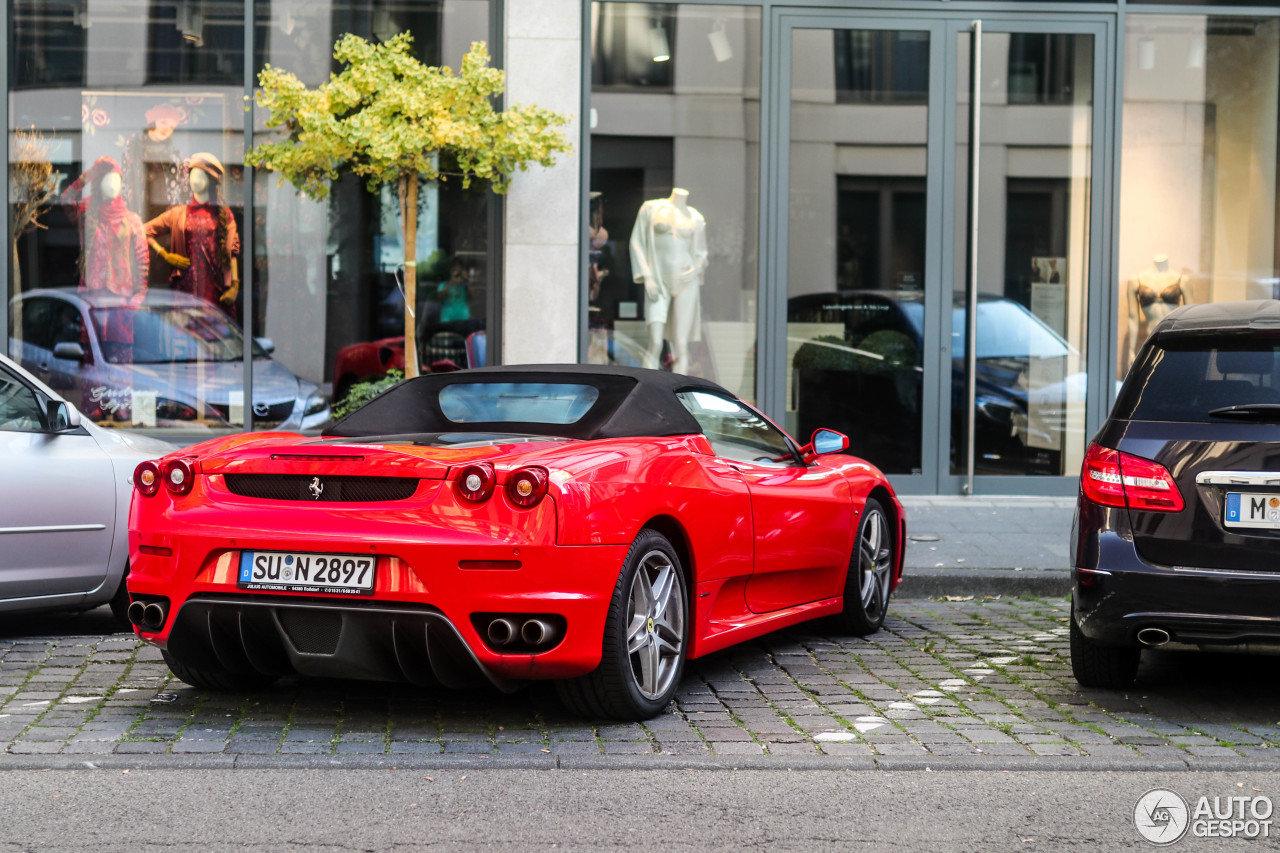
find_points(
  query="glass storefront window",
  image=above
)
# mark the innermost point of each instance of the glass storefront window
(675, 115)
(1198, 185)
(136, 109)
(130, 206)
(329, 275)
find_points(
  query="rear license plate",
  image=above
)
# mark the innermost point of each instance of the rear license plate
(289, 571)
(1252, 509)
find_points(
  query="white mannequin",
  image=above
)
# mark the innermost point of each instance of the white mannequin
(199, 183)
(110, 185)
(1155, 292)
(669, 255)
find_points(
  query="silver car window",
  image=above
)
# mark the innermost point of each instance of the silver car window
(19, 406)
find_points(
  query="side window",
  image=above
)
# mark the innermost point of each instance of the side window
(36, 326)
(736, 432)
(19, 406)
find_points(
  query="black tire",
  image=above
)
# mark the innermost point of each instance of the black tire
(120, 603)
(1096, 665)
(220, 680)
(866, 586)
(646, 637)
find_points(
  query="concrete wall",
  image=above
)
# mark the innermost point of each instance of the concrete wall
(543, 224)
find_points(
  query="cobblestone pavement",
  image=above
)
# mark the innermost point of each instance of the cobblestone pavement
(981, 682)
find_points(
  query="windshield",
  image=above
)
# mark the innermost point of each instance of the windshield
(169, 333)
(1008, 330)
(516, 402)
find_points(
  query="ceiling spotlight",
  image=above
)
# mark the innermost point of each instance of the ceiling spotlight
(720, 46)
(658, 43)
(1146, 53)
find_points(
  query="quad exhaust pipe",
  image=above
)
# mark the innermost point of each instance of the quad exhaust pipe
(1153, 636)
(502, 632)
(150, 616)
(534, 632)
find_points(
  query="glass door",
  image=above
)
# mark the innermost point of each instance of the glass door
(897, 235)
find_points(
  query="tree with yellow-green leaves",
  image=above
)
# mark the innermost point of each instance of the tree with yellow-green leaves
(390, 119)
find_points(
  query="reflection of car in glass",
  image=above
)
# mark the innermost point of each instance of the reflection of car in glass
(1023, 385)
(445, 349)
(1178, 521)
(185, 352)
(589, 524)
(64, 516)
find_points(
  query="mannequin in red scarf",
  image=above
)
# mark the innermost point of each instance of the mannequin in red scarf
(114, 251)
(203, 242)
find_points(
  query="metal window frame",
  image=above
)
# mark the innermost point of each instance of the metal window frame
(494, 215)
(1103, 20)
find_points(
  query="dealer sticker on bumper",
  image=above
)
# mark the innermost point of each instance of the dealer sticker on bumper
(1246, 509)
(284, 571)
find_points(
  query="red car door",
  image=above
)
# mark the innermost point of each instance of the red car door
(802, 515)
(803, 524)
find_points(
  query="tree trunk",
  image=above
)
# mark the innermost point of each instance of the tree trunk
(409, 228)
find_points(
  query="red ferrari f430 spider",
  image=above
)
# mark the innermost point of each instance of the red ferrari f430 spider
(594, 525)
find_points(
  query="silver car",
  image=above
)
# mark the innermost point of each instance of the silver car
(174, 360)
(65, 486)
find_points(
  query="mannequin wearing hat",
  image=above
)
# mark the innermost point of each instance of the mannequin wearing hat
(203, 242)
(155, 172)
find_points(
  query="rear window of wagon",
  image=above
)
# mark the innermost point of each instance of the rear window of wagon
(1185, 379)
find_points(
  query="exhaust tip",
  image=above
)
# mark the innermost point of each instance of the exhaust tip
(136, 612)
(1153, 636)
(154, 616)
(537, 632)
(501, 632)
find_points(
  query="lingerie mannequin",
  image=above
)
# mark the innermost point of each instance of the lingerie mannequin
(203, 242)
(669, 255)
(1155, 292)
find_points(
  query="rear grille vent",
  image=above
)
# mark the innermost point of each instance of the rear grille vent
(312, 633)
(316, 489)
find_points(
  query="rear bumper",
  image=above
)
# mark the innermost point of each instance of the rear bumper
(1116, 594)
(365, 640)
(431, 580)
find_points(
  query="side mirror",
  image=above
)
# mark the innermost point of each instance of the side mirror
(268, 346)
(828, 441)
(68, 350)
(61, 416)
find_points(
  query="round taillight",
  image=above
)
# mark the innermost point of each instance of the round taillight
(146, 479)
(476, 481)
(177, 476)
(527, 486)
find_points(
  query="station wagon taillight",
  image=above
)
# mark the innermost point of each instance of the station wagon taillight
(1112, 478)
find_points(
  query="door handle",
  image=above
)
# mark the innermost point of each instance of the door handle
(971, 285)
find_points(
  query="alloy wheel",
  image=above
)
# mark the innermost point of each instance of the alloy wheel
(655, 632)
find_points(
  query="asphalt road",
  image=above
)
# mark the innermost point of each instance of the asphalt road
(149, 811)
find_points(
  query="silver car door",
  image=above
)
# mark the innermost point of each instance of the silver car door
(57, 500)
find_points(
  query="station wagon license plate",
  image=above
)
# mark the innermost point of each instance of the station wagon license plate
(289, 571)
(1252, 509)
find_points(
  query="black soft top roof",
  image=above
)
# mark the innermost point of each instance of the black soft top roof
(632, 402)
